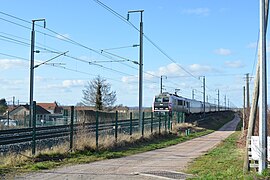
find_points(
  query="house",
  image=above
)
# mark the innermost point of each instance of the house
(53, 108)
(22, 112)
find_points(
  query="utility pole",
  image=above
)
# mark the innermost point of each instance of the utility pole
(255, 99)
(161, 84)
(193, 93)
(244, 108)
(228, 105)
(218, 98)
(247, 89)
(176, 90)
(225, 101)
(13, 101)
(263, 92)
(203, 94)
(206, 98)
(140, 66)
(32, 69)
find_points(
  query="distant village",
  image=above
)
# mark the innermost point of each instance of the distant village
(50, 114)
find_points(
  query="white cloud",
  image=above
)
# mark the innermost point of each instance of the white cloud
(199, 69)
(72, 83)
(223, 52)
(62, 36)
(67, 84)
(129, 79)
(172, 69)
(197, 11)
(12, 63)
(234, 64)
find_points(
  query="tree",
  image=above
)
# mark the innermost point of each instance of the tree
(3, 105)
(98, 93)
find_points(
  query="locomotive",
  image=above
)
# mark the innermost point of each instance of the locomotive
(166, 102)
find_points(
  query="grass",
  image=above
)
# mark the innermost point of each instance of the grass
(85, 152)
(224, 162)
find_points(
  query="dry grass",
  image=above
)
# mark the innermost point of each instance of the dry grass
(181, 128)
(13, 159)
(105, 142)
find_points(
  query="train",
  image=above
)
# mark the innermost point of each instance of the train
(167, 102)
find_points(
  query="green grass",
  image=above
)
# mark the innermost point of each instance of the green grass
(51, 160)
(223, 162)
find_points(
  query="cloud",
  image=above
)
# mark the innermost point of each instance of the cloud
(62, 36)
(223, 52)
(197, 11)
(67, 84)
(129, 79)
(72, 83)
(234, 64)
(12, 63)
(172, 69)
(199, 69)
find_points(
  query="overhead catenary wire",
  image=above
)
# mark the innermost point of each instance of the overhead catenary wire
(89, 62)
(67, 39)
(70, 41)
(122, 18)
(152, 42)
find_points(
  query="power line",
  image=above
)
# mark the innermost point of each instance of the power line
(52, 65)
(154, 44)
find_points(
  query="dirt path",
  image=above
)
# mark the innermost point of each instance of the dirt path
(157, 164)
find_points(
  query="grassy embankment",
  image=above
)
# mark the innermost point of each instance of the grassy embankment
(224, 162)
(86, 153)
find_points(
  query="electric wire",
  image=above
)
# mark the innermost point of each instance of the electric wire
(152, 42)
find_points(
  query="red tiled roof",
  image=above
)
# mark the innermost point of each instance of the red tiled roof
(48, 106)
(51, 107)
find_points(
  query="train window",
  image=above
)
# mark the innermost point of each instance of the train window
(184, 103)
(180, 102)
(166, 99)
(158, 99)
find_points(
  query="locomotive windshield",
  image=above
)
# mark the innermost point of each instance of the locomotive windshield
(166, 99)
(160, 99)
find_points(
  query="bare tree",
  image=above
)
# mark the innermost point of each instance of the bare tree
(98, 93)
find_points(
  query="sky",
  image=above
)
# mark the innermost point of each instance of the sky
(183, 41)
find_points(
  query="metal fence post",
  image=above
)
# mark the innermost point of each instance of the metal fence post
(97, 124)
(166, 114)
(151, 122)
(71, 128)
(169, 122)
(8, 118)
(130, 124)
(143, 124)
(159, 123)
(116, 125)
(183, 117)
(24, 119)
(34, 129)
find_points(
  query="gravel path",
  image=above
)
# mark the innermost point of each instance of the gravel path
(166, 163)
